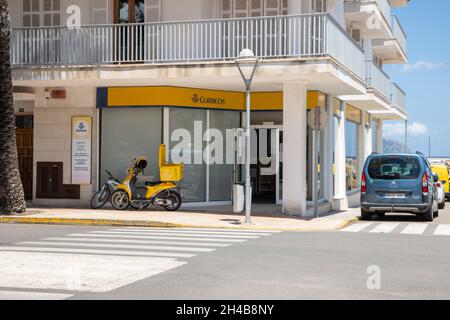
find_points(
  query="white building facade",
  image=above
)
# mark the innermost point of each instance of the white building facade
(100, 82)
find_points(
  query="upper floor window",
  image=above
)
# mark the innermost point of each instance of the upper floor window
(318, 6)
(37, 13)
(253, 8)
(137, 11)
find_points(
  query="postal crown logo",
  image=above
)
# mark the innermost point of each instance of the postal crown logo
(81, 127)
(195, 98)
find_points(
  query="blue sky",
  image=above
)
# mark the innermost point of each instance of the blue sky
(426, 78)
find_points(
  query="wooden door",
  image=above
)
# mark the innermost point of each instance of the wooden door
(49, 184)
(24, 137)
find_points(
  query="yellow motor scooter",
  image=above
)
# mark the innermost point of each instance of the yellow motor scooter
(163, 193)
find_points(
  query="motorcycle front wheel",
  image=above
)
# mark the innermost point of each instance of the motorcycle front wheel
(172, 199)
(120, 200)
(100, 198)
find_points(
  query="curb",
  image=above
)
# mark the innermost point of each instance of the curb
(86, 222)
(347, 223)
(149, 224)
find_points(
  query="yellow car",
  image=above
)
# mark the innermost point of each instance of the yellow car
(442, 171)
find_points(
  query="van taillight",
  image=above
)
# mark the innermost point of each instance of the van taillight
(363, 183)
(425, 184)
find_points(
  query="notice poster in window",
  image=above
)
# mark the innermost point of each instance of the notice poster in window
(81, 150)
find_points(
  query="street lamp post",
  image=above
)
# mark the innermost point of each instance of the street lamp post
(247, 63)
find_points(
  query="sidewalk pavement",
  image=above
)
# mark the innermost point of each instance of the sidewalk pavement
(195, 217)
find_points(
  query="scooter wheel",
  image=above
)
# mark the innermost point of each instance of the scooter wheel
(120, 200)
(175, 199)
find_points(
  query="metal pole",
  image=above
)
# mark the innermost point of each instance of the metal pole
(429, 146)
(248, 192)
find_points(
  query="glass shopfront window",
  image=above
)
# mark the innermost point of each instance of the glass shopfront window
(315, 136)
(202, 128)
(129, 133)
(186, 127)
(221, 173)
(352, 123)
(336, 115)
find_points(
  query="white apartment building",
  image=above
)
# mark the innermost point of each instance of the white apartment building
(99, 82)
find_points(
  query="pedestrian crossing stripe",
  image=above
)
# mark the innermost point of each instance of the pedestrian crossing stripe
(385, 228)
(71, 238)
(106, 259)
(400, 228)
(190, 234)
(126, 236)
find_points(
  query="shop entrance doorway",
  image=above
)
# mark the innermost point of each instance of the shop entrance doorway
(267, 164)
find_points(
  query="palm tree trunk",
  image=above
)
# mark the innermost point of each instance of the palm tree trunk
(12, 198)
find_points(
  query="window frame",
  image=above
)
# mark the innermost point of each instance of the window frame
(41, 13)
(282, 7)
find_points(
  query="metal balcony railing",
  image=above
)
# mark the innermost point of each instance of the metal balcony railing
(399, 33)
(377, 80)
(398, 97)
(300, 36)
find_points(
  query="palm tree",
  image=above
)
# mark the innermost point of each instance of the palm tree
(12, 198)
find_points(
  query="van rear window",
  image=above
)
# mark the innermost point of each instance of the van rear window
(395, 167)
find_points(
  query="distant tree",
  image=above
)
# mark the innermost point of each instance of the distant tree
(12, 197)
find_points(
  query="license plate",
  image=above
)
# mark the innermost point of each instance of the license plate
(395, 195)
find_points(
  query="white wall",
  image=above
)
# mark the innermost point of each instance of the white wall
(14, 12)
(52, 137)
(175, 10)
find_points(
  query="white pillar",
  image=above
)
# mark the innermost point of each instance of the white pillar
(362, 147)
(379, 136)
(327, 152)
(340, 184)
(294, 149)
(369, 138)
(364, 143)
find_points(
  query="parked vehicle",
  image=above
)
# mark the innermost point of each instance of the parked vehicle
(442, 171)
(162, 193)
(102, 196)
(441, 193)
(401, 183)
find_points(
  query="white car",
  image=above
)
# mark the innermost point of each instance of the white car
(441, 194)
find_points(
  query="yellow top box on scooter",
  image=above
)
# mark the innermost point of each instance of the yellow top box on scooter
(168, 172)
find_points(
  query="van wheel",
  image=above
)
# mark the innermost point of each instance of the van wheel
(442, 205)
(429, 215)
(365, 215)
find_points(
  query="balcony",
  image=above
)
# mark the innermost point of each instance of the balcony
(378, 81)
(371, 16)
(392, 49)
(312, 36)
(398, 98)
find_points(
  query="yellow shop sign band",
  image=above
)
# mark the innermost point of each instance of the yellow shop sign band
(195, 98)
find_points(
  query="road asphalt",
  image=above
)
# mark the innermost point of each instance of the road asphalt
(395, 257)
